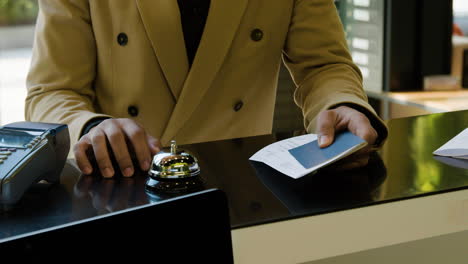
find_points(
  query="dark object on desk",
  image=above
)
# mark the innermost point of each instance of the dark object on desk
(174, 171)
(192, 228)
(30, 152)
(327, 190)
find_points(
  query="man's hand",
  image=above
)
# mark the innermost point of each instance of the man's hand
(346, 118)
(124, 137)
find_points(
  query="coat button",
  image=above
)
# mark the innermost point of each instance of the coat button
(122, 39)
(238, 106)
(256, 34)
(133, 110)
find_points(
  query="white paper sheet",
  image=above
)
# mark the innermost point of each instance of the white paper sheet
(277, 156)
(457, 147)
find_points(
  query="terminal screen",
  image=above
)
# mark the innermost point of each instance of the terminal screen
(14, 139)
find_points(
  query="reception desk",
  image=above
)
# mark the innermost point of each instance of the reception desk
(404, 195)
(393, 105)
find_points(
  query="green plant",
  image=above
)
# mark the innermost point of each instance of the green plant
(14, 12)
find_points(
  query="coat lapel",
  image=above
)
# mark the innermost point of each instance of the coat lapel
(161, 19)
(223, 20)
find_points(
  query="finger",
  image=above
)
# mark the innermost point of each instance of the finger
(137, 137)
(361, 127)
(357, 123)
(326, 123)
(119, 147)
(154, 144)
(98, 140)
(79, 150)
(368, 134)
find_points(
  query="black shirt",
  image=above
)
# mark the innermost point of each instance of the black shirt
(193, 14)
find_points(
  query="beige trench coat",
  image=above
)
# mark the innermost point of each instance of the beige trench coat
(80, 70)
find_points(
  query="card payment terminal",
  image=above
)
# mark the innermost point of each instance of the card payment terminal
(30, 152)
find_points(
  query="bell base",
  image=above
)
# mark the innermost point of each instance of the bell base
(175, 186)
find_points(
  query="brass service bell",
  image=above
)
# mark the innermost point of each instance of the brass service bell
(174, 171)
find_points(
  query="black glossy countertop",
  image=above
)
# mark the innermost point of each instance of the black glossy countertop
(404, 168)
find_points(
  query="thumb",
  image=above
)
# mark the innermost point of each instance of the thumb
(154, 145)
(326, 128)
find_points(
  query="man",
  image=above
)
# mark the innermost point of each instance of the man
(129, 76)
